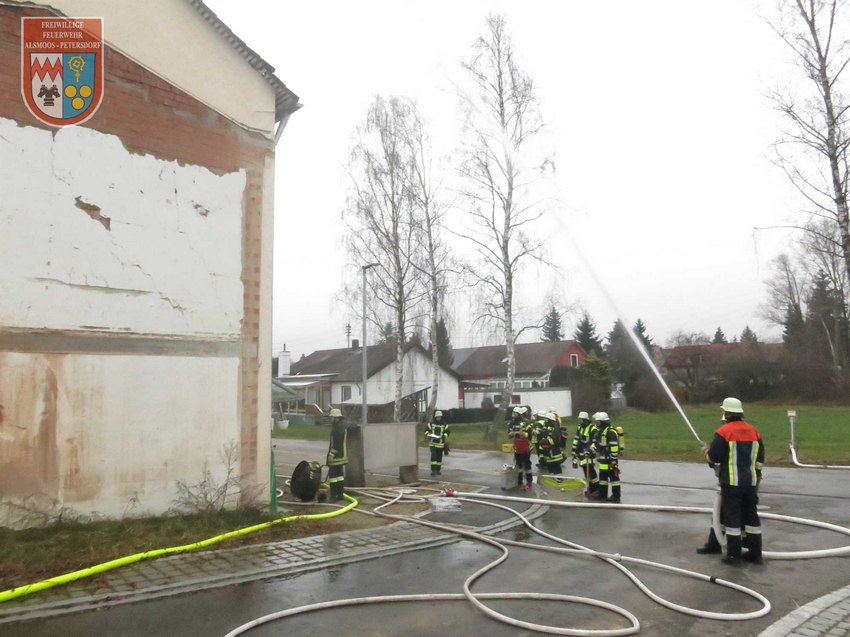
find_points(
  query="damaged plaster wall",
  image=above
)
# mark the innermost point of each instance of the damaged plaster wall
(98, 240)
(111, 435)
(119, 241)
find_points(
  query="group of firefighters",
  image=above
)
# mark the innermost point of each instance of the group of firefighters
(736, 454)
(596, 441)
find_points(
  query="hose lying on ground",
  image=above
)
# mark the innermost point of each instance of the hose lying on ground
(28, 589)
(615, 560)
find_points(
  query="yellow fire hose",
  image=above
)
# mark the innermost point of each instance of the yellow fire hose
(27, 589)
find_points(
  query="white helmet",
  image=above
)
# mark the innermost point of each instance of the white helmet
(335, 413)
(438, 414)
(551, 415)
(519, 409)
(542, 413)
(583, 415)
(732, 406)
(601, 416)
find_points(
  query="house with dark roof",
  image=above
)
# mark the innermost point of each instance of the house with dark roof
(334, 378)
(482, 370)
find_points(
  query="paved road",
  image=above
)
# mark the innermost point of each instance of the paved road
(666, 537)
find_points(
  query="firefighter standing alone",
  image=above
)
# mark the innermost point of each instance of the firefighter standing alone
(437, 436)
(337, 455)
(737, 450)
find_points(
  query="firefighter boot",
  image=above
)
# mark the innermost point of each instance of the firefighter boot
(601, 492)
(753, 553)
(712, 546)
(336, 491)
(615, 494)
(733, 550)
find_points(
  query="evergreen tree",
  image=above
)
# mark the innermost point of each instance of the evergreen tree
(591, 384)
(794, 327)
(640, 331)
(585, 335)
(719, 337)
(630, 368)
(552, 328)
(749, 336)
(826, 320)
(444, 344)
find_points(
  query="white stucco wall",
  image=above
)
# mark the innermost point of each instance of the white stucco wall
(170, 262)
(171, 39)
(559, 398)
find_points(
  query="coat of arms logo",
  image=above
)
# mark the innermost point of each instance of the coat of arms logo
(62, 68)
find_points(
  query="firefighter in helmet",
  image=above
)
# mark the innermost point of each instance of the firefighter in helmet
(738, 451)
(437, 436)
(521, 432)
(608, 448)
(583, 452)
(337, 455)
(551, 444)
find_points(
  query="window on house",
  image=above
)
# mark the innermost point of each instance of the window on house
(346, 392)
(573, 360)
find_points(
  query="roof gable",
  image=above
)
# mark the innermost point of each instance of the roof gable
(347, 363)
(531, 358)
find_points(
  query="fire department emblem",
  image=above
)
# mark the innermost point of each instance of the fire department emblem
(62, 68)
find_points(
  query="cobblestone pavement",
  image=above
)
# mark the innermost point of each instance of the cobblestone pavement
(827, 616)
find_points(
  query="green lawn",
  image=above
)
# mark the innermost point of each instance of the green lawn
(822, 433)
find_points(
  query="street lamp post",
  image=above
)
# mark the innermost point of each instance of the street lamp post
(364, 415)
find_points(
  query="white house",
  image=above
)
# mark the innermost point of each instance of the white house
(334, 378)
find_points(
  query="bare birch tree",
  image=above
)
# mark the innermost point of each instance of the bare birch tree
(501, 164)
(814, 150)
(432, 259)
(380, 223)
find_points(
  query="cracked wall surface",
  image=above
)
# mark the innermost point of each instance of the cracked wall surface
(135, 277)
(59, 190)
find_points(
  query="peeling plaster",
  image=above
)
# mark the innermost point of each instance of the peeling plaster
(171, 261)
(93, 211)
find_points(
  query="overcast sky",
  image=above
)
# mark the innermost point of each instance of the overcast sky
(656, 110)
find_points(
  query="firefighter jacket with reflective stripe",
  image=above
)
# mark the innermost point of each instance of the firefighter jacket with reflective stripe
(550, 450)
(582, 447)
(338, 447)
(609, 446)
(738, 451)
(436, 433)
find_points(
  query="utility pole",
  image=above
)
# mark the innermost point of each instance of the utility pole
(365, 409)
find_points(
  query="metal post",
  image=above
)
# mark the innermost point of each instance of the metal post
(365, 409)
(792, 417)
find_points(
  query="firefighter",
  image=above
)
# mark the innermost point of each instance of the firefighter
(337, 455)
(738, 451)
(550, 444)
(538, 425)
(437, 436)
(608, 447)
(583, 452)
(521, 431)
(564, 432)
